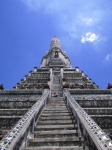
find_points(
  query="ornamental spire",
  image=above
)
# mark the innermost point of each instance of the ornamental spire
(55, 42)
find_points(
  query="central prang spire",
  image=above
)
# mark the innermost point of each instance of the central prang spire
(55, 43)
(55, 57)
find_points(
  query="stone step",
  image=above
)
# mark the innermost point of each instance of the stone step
(55, 127)
(55, 114)
(56, 108)
(56, 118)
(49, 122)
(56, 148)
(56, 90)
(57, 104)
(57, 101)
(56, 111)
(56, 98)
(58, 94)
(56, 80)
(55, 133)
(55, 85)
(55, 136)
(63, 141)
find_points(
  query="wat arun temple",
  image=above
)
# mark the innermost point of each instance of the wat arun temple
(56, 107)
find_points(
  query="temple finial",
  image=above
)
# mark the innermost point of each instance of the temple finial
(55, 42)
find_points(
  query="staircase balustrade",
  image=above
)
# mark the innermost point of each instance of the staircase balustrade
(96, 134)
(15, 138)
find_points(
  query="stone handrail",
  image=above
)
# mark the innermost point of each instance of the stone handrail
(98, 136)
(17, 132)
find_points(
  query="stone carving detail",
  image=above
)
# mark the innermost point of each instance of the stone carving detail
(37, 80)
(17, 101)
(101, 140)
(99, 107)
(104, 122)
(93, 97)
(8, 123)
(99, 111)
(76, 80)
(95, 103)
(23, 125)
(13, 107)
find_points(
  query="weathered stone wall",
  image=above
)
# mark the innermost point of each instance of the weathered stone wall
(13, 105)
(98, 104)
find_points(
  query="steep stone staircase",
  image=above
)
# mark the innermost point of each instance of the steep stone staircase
(56, 86)
(56, 129)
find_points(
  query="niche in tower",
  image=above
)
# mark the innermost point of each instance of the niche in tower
(56, 54)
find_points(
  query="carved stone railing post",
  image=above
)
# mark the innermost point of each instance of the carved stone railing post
(95, 134)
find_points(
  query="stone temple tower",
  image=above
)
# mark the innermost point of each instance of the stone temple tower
(56, 107)
(55, 58)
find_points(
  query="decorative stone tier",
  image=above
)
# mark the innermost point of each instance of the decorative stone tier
(7, 122)
(13, 112)
(89, 91)
(104, 121)
(99, 111)
(75, 79)
(95, 103)
(37, 79)
(21, 92)
(13, 105)
(98, 104)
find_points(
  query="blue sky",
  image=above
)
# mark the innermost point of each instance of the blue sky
(84, 28)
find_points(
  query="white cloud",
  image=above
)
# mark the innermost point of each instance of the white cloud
(108, 57)
(88, 21)
(89, 37)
